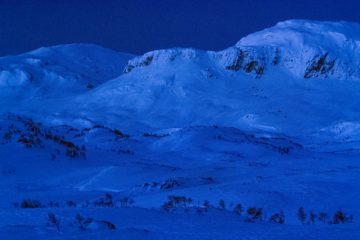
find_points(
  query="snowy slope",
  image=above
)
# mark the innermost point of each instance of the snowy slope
(267, 81)
(59, 71)
(272, 123)
(259, 83)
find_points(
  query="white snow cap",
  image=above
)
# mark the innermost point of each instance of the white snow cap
(302, 48)
(312, 48)
(299, 34)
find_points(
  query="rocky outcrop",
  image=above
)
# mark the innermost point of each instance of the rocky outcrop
(320, 66)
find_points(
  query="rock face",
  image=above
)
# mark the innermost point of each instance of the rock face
(161, 57)
(248, 59)
(320, 66)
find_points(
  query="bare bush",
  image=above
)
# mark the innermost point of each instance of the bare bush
(106, 201)
(29, 203)
(238, 209)
(301, 215)
(254, 214)
(83, 222)
(71, 203)
(126, 202)
(278, 218)
(53, 221)
(222, 206)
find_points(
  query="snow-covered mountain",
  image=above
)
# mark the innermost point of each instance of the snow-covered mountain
(305, 49)
(310, 49)
(246, 83)
(271, 122)
(58, 71)
(267, 81)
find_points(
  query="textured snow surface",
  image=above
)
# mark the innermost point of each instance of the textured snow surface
(272, 123)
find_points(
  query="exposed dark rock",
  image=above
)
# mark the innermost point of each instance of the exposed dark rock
(320, 65)
(237, 63)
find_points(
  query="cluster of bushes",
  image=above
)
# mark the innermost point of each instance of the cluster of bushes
(168, 184)
(339, 217)
(33, 135)
(29, 203)
(81, 222)
(8, 171)
(253, 214)
(72, 150)
(175, 202)
(106, 201)
(282, 145)
(29, 139)
(155, 135)
(120, 134)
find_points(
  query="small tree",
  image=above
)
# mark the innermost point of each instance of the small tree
(322, 216)
(339, 217)
(71, 203)
(53, 221)
(83, 222)
(222, 205)
(106, 201)
(206, 205)
(109, 225)
(168, 206)
(126, 201)
(238, 209)
(301, 215)
(199, 211)
(312, 217)
(189, 202)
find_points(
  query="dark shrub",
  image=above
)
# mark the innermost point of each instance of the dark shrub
(83, 222)
(254, 214)
(28, 203)
(278, 218)
(53, 221)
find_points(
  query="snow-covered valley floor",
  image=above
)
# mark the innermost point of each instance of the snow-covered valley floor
(127, 180)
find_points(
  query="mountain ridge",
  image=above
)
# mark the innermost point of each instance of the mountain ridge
(243, 86)
(307, 49)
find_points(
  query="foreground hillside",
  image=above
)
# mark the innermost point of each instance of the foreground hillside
(258, 141)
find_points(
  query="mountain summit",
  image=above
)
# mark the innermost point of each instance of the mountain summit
(311, 48)
(305, 49)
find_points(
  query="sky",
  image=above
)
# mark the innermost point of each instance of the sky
(138, 26)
